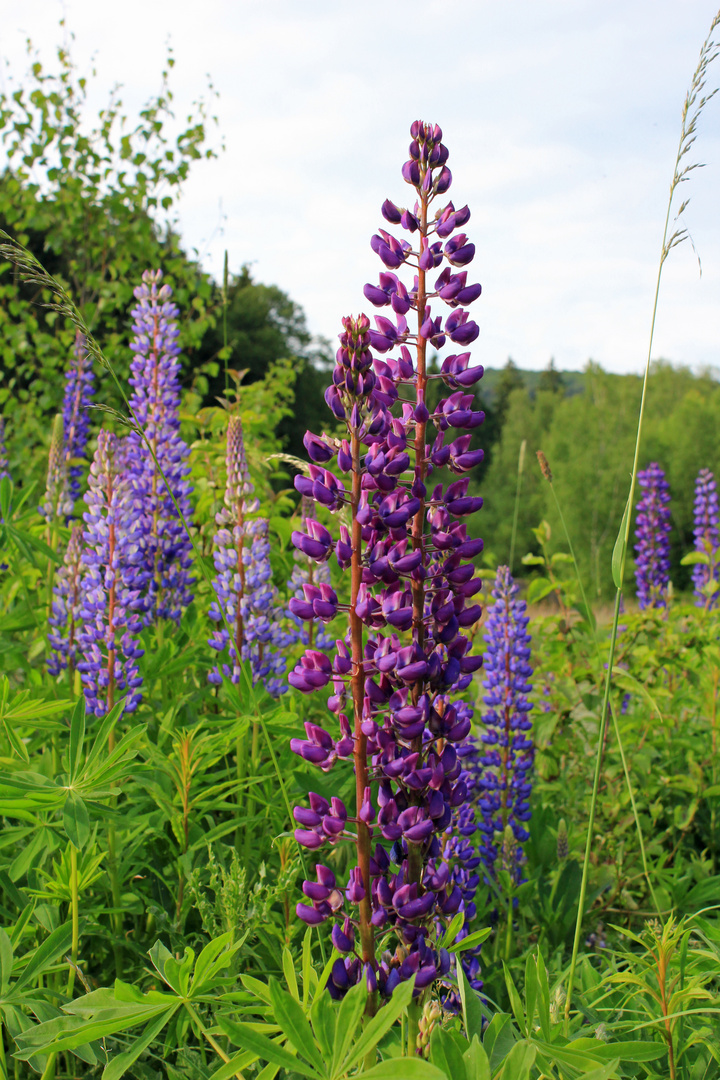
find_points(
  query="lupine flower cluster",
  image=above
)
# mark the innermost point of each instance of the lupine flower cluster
(707, 538)
(652, 538)
(407, 654)
(246, 600)
(504, 779)
(57, 502)
(155, 400)
(79, 388)
(110, 607)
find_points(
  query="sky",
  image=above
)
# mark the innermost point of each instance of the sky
(562, 118)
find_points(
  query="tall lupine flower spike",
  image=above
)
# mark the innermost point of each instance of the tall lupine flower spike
(155, 400)
(652, 540)
(57, 502)
(66, 607)
(508, 755)
(107, 641)
(406, 655)
(707, 539)
(79, 388)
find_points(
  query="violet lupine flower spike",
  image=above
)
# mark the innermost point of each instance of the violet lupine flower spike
(707, 538)
(57, 502)
(652, 541)
(79, 388)
(504, 781)
(155, 400)
(110, 602)
(406, 655)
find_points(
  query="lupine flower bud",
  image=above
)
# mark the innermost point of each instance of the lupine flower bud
(57, 502)
(652, 542)
(79, 388)
(706, 536)
(563, 848)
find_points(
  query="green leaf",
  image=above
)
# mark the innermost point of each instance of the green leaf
(447, 1055)
(77, 738)
(452, 931)
(405, 1069)
(500, 1036)
(532, 560)
(626, 1051)
(243, 1035)
(618, 555)
(519, 1062)
(538, 589)
(289, 972)
(695, 557)
(6, 961)
(381, 1023)
(294, 1024)
(349, 1016)
(531, 992)
(471, 1007)
(515, 1002)
(46, 954)
(543, 996)
(323, 1017)
(477, 1065)
(471, 940)
(216, 955)
(626, 681)
(120, 1064)
(76, 820)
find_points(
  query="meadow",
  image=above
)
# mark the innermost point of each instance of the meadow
(299, 777)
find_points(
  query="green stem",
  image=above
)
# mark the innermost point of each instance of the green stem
(521, 465)
(225, 305)
(413, 1028)
(591, 821)
(75, 915)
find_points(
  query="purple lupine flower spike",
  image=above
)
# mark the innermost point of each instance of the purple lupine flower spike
(397, 674)
(707, 538)
(66, 606)
(107, 641)
(652, 538)
(57, 502)
(508, 749)
(79, 389)
(155, 400)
